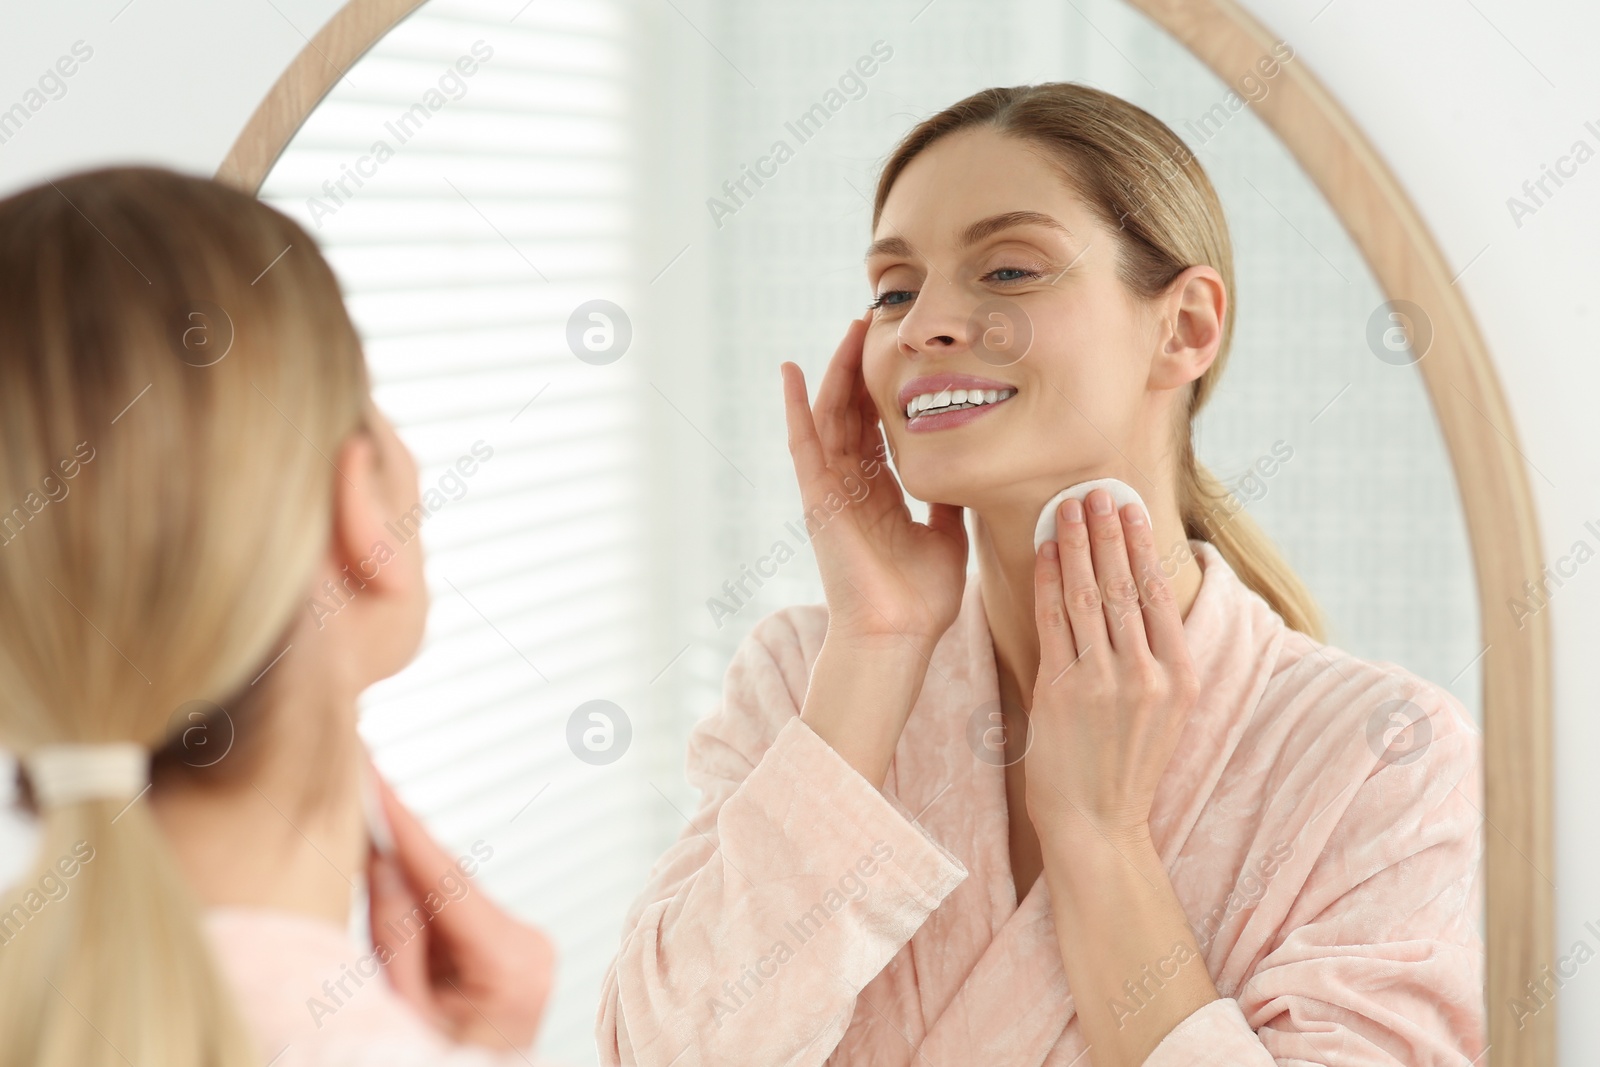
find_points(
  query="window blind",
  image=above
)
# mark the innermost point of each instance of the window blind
(469, 181)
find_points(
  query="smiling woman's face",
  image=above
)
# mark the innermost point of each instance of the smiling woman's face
(981, 243)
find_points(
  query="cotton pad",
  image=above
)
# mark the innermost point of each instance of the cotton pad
(1121, 493)
(372, 809)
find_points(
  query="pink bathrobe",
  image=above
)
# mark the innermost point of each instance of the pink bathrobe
(311, 999)
(806, 917)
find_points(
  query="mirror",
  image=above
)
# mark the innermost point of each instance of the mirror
(577, 254)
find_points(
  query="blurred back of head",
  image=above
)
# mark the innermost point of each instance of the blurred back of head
(176, 367)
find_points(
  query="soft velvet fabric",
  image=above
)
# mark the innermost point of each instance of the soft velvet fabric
(277, 962)
(1333, 883)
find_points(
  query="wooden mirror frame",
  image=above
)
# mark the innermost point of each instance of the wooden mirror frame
(1462, 388)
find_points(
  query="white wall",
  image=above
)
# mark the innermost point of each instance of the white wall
(1466, 102)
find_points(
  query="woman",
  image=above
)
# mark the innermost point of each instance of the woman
(192, 443)
(1190, 847)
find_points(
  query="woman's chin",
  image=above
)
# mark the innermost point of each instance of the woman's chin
(961, 493)
(995, 495)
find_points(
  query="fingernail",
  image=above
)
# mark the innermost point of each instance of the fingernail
(1072, 510)
(1135, 515)
(1100, 502)
(1052, 551)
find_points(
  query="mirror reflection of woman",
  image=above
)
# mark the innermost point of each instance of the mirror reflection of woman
(1188, 845)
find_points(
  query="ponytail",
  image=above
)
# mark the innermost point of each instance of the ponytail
(102, 959)
(1212, 514)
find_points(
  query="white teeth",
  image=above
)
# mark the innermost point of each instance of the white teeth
(955, 398)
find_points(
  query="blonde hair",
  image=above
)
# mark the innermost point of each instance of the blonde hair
(176, 369)
(1144, 184)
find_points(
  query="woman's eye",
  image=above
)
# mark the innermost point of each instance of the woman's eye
(892, 298)
(1012, 274)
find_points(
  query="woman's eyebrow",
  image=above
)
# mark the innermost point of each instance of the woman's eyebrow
(995, 223)
(988, 227)
(891, 246)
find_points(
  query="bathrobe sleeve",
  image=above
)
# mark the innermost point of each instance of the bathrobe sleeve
(794, 884)
(1379, 960)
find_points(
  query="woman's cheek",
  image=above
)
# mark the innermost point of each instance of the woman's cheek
(880, 385)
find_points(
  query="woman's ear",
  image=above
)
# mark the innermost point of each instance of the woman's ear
(1191, 315)
(360, 509)
(371, 577)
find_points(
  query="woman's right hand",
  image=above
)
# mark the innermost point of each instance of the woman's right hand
(467, 966)
(886, 577)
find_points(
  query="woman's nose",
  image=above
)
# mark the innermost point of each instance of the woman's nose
(937, 321)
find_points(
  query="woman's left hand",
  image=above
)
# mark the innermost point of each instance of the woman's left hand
(1115, 685)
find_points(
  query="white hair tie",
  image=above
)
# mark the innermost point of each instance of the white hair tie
(66, 774)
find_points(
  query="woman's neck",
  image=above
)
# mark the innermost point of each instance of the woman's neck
(289, 831)
(1004, 544)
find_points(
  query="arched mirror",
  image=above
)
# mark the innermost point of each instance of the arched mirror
(579, 238)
